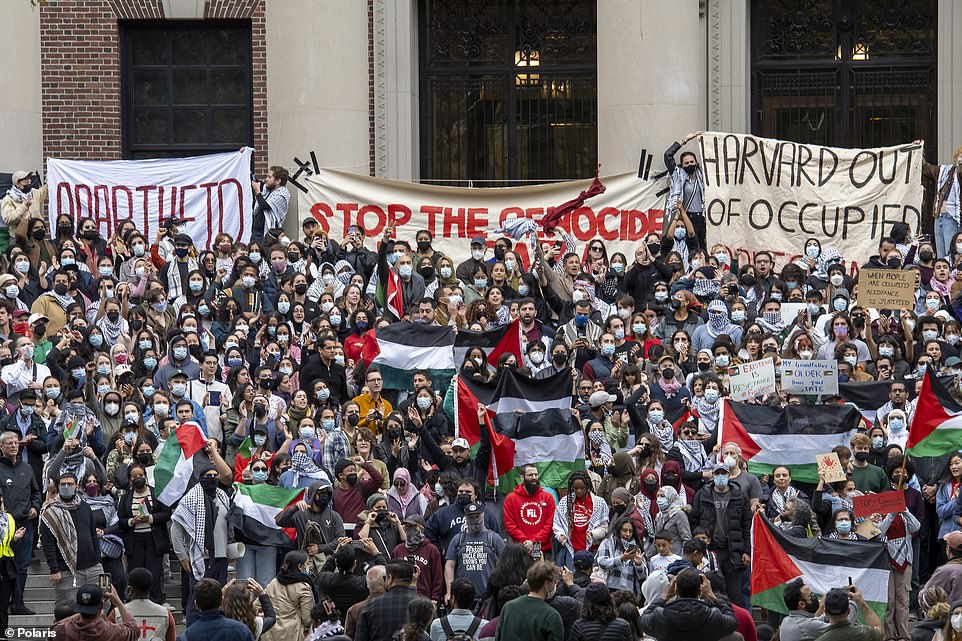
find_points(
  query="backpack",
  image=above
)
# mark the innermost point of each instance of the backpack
(460, 635)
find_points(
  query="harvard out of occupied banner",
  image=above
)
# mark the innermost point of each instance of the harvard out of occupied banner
(773, 194)
(628, 210)
(211, 193)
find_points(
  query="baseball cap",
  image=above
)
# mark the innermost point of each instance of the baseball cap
(953, 361)
(719, 467)
(34, 318)
(120, 370)
(836, 601)
(479, 240)
(89, 599)
(599, 398)
(471, 509)
(460, 442)
(583, 560)
(18, 176)
(414, 519)
(183, 239)
(173, 222)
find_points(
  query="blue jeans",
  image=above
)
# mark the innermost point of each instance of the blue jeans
(22, 554)
(259, 562)
(945, 230)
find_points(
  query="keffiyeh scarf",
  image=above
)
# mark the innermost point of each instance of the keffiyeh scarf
(191, 514)
(718, 324)
(706, 288)
(779, 500)
(694, 455)
(600, 447)
(56, 516)
(303, 465)
(707, 412)
(64, 301)
(105, 504)
(665, 433)
(829, 256)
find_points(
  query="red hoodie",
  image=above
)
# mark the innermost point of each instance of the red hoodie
(529, 518)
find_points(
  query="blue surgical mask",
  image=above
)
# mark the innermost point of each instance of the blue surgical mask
(813, 309)
(878, 442)
(255, 257)
(145, 344)
(307, 433)
(720, 481)
(405, 270)
(323, 394)
(247, 281)
(812, 251)
(130, 437)
(843, 527)
(103, 389)
(662, 503)
(196, 286)
(638, 329)
(523, 289)
(392, 257)
(619, 334)
(105, 271)
(424, 402)
(103, 369)
(680, 233)
(284, 306)
(711, 395)
(738, 315)
(259, 440)
(78, 373)
(617, 267)
(335, 320)
(148, 391)
(203, 310)
(722, 360)
(235, 361)
(96, 340)
(53, 393)
(480, 283)
(840, 304)
(180, 353)
(327, 423)
(581, 320)
(179, 389)
(656, 416)
(150, 362)
(260, 475)
(608, 349)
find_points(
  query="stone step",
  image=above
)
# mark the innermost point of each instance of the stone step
(46, 593)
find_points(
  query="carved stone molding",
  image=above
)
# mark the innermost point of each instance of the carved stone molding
(715, 79)
(380, 89)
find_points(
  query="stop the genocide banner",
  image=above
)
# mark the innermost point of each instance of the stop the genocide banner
(773, 194)
(211, 193)
(629, 209)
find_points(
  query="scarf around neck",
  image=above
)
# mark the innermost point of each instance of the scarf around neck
(670, 389)
(56, 515)
(779, 501)
(17, 195)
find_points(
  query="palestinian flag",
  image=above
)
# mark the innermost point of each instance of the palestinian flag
(937, 424)
(495, 342)
(174, 471)
(867, 397)
(72, 430)
(822, 563)
(255, 510)
(529, 422)
(399, 349)
(791, 436)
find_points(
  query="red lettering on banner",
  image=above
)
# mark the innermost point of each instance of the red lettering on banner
(64, 193)
(537, 213)
(398, 214)
(346, 209)
(510, 212)
(583, 224)
(453, 220)
(210, 198)
(432, 212)
(160, 203)
(240, 209)
(603, 232)
(80, 202)
(321, 212)
(377, 228)
(130, 201)
(477, 221)
(183, 196)
(101, 210)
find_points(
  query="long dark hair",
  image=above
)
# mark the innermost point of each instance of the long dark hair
(577, 475)
(420, 613)
(597, 612)
(511, 569)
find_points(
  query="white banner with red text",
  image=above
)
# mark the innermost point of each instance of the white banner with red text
(629, 210)
(762, 193)
(212, 194)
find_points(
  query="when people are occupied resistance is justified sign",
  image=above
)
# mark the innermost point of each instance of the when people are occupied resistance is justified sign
(773, 194)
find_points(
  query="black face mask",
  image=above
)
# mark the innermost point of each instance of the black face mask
(209, 485)
(61, 289)
(812, 606)
(464, 499)
(351, 479)
(113, 317)
(704, 367)
(145, 458)
(651, 486)
(321, 502)
(926, 255)
(64, 230)
(861, 457)
(646, 450)
(352, 419)
(619, 509)
(690, 169)
(668, 373)
(426, 272)
(424, 246)
(139, 483)
(670, 479)
(39, 234)
(136, 324)
(559, 358)
(654, 248)
(748, 280)
(382, 515)
(499, 253)
(39, 330)
(300, 289)
(90, 235)
(675, 304)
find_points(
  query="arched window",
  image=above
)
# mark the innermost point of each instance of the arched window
(508, 90)
(848, 73)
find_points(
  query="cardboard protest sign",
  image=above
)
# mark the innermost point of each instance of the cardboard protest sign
(881, 503)
(751, 380)
(762, 193)
(886, 288)
(809, 377)
(212, 194)
(629, 210)
(830, 467)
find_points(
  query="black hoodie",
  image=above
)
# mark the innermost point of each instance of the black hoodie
(688, 619)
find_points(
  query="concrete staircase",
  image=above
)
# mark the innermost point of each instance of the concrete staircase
(39, 595)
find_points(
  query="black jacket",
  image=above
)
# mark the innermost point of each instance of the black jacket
(334, 376)
(344, 589)
(739, 519)
(688, 619)
(37, 447)
(616, 630)
(20, 489)
(88, 545)
(476, 468)
(158, 528)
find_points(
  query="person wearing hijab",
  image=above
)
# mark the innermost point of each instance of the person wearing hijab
(621, 474)
(671, 518)
(671, 477)
(645, 499)
(403, 498)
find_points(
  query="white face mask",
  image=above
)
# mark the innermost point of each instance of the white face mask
(957, 622)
